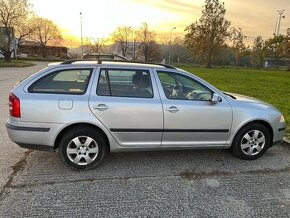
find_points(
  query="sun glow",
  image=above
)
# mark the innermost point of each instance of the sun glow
(100, 18)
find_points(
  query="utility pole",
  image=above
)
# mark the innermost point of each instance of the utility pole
(281, 15)
(81, 19)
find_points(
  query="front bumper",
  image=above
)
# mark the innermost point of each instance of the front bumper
(278, 132)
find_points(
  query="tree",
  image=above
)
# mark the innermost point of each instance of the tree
(6, 37)
(180, 53)
(238, 45)
(147, 46)
(258, 52)
(286, 44)
(45, 33)
(12, 13)
(224, 56)
(274, 48)
(207, 36)
(121, 39)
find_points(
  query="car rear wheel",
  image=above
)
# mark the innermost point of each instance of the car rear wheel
(82, 148)
(251, 142)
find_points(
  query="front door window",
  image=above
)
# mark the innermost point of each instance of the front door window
(180, 87)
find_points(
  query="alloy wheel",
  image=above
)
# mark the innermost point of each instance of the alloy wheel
(82, 150)
(253, 142)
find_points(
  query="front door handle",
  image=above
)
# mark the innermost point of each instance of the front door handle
(101, 107)
(172, 109)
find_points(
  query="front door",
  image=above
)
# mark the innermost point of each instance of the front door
(191, 119)
(126, 101)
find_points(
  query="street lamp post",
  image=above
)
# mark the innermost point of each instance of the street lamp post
(169, 52)
(81, 19)
(133, 45)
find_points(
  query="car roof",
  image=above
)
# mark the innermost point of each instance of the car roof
(113, 64)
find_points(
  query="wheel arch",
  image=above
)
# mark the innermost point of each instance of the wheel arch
(262, 122)
(67, 128)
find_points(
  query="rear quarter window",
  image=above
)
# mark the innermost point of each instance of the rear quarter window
(69, 81)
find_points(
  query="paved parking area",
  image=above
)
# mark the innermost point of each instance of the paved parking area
(199, 183)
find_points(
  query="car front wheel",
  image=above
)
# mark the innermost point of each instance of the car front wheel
(82, 148)
(251, 142)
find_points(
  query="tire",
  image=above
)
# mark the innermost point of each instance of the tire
(251, 142)
(82, 148)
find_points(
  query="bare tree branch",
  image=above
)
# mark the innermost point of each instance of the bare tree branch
(95, 45)
(121, 39)
(147, 46)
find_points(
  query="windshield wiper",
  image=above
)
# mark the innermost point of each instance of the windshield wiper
(233, 97)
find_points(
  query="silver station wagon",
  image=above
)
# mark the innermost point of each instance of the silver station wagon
(86, 109)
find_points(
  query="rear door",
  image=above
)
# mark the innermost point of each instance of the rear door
(126, 101)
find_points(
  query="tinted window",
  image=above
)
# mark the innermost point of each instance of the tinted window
(180, 87)
(125, 83)
(63, 82)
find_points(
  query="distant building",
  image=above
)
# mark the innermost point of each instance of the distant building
(33, 49)
(28, 49)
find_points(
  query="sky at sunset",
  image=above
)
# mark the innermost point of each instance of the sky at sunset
(101, 17)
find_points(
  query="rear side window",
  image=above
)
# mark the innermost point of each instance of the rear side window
(125, 83)
(72, 81)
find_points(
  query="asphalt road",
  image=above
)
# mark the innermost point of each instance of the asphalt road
(199, 183)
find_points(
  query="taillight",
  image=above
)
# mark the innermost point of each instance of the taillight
(14, 106)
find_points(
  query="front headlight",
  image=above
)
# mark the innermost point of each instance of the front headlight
(282, 119)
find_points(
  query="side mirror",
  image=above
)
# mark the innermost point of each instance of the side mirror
(216, 98)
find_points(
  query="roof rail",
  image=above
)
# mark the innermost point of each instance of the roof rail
(163, 65)
(100, 62)
(70, 61)
(106, 56)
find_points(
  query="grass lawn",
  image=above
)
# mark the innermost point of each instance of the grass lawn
(272, 86)
(15, 63)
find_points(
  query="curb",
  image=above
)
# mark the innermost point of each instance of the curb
(286, 141)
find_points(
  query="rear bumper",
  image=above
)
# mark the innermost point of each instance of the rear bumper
(36, 136)
(36, 147)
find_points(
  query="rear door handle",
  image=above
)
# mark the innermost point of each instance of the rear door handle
(101, 107)
(172, 109)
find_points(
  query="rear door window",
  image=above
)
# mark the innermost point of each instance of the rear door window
(125, 83)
